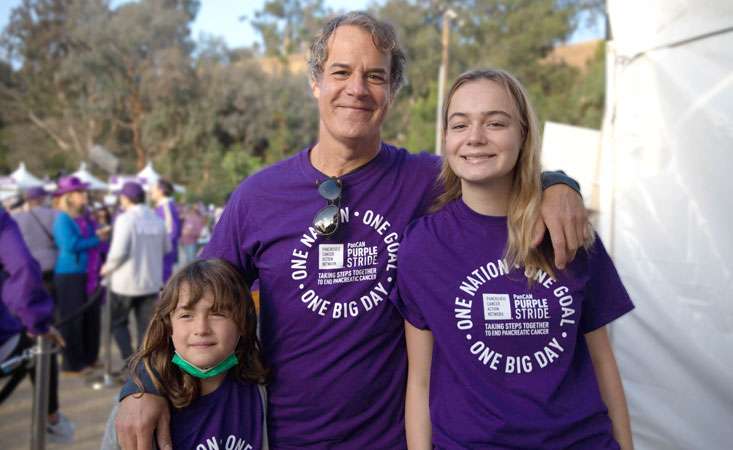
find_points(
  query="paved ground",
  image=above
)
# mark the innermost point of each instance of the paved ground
(86, 407)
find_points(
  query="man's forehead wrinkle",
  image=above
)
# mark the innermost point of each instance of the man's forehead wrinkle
(385, 52)
(343, 65)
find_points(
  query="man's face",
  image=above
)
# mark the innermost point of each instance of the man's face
(353, 92)
(125, 202)
(155, 193)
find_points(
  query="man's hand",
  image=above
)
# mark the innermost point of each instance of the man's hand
(563, 214)
(138, 418)
(103, 232)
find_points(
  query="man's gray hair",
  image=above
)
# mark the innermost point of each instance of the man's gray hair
(383, 35)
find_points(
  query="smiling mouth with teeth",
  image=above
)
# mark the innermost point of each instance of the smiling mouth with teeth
(469, 157)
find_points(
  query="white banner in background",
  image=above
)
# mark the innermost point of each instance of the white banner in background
(667, 216)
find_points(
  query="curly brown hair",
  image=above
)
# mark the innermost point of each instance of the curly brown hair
(231, 295)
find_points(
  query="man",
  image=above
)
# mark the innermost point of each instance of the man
(134, 264)
(334, 343)
(26, 311)
(35, 221)
(162, 195)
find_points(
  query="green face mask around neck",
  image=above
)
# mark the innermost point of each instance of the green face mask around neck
(229, 362)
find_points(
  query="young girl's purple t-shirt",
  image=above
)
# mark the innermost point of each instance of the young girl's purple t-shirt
(230, 417)
(335, 344)
(510, 365)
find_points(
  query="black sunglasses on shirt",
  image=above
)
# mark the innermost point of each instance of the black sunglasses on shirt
(327, 220)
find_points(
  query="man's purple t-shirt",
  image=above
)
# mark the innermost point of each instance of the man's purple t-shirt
(230, 417)
(334, 342)
(510, 365)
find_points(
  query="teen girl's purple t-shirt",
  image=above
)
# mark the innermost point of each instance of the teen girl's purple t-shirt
(510, 365)
(333, 340)
(231, 417)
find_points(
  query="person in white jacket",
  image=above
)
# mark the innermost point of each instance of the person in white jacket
(134, 264)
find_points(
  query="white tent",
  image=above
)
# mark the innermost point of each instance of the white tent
(8, 188)
(666, 184)
(116, 181)
(574, 150)
(24, 179)
(148, 176)
(86, 176)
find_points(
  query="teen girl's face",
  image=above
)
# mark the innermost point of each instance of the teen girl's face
(483, 135)
(202, 336)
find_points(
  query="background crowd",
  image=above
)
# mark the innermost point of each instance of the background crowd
(66, 252)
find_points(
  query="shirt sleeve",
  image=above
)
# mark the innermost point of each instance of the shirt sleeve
(68, 238)
(606, 298)
(176, 218)
(167, 245)
(435, 189)
(232, 238)
(130, 388)
(551, 178)
(109, 440)
(404, 295)
(22, 290)
(119, 249)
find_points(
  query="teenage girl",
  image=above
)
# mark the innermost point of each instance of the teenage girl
(505, 350)
(202, 352)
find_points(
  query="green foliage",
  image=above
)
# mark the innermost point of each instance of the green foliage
(133, 80)
(237, 164)
(588, 97)
(515, 35)
(287, 25)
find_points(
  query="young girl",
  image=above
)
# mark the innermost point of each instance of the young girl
(202, 352)
(505, 350)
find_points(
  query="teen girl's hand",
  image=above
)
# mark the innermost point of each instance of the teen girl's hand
(141, 416)
(563, 214)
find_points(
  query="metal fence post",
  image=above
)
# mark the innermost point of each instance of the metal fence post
(107, 379)
(40, 393)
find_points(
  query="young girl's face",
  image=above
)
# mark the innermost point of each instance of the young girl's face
(202, 336)
(483, 135)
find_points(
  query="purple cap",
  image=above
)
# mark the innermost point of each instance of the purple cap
(70, 184)
(34, 192)
(132, 190)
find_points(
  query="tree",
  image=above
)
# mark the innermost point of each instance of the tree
(515, 35)
(91, 75)
(38, 37)
(285, 25)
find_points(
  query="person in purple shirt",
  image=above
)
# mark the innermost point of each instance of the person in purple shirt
(202, 345)
(88, 227)
(505, 349)
(162, 195)
(26, 311)
(321, 231)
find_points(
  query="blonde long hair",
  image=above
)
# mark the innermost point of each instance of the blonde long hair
(230, 293)
(62, 203)
(526, 194)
